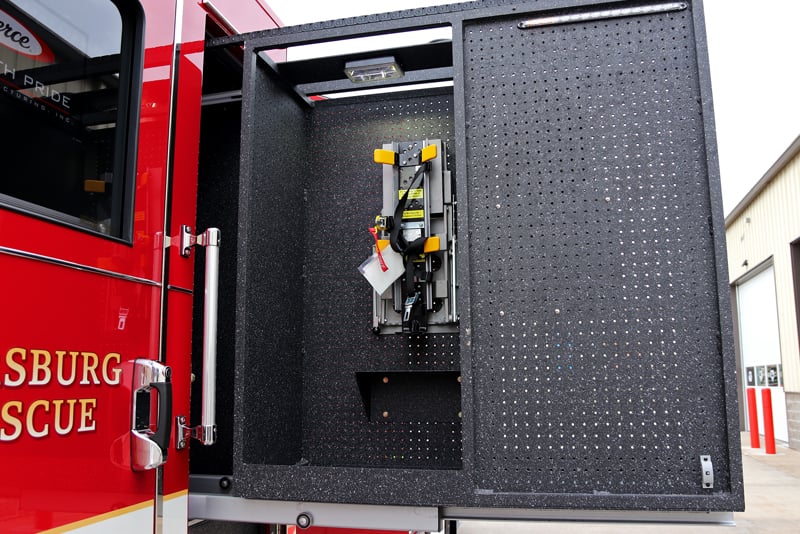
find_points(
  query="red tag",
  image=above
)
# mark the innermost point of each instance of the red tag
(374, 233)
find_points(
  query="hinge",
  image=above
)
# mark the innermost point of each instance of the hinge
(205, 434)
(707, 468)
(186, 239)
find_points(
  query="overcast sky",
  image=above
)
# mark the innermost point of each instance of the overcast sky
(754, 52)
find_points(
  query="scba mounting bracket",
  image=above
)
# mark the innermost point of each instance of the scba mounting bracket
(417, 223)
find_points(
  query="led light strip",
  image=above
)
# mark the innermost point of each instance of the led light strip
(602, 14)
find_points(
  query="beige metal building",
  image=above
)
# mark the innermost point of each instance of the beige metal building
(763, 234)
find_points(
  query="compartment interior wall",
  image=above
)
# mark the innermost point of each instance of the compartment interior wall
(309, 193)
(343, 196)
(217, 206)
(269, 332)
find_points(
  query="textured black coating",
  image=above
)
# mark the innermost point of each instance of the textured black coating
(269, 313)
(411, 396)
(595, 325)
(594, 341)
(217, 192)
(343, 194)
(310, 308)
(225, 527)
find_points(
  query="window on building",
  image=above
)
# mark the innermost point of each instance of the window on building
(67, 68)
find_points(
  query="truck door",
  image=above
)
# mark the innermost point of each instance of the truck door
(84, 402)
(191, 270)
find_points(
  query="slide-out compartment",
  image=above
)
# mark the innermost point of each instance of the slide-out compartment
(307, 360)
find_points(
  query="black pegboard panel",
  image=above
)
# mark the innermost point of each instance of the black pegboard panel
(595, 324)
(303, 431)
(312, 191)
(343, 194)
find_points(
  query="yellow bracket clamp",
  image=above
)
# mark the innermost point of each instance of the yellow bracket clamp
(387, 157)
(428, 153)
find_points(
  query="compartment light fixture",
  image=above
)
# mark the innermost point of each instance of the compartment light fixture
(373, 70)
(614, 13)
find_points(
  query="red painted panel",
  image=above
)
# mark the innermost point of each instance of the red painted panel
(64, 437)
(57, 469)
(179, 357)
(187, 142)
(65, 392)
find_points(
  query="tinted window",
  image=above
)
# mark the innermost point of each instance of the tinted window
(66, 68)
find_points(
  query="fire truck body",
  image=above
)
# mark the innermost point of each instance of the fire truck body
(581, 356)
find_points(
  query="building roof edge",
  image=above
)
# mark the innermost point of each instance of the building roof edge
(771, 173)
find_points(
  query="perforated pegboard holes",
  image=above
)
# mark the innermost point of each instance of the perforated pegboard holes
(343, 195)
(595, 319)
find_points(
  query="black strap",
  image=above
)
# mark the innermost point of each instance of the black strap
(410, 282)
(396, 239)
(409, 250)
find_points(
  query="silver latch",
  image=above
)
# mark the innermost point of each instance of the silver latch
(707, 468)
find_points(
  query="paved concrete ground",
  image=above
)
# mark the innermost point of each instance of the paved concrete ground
(772, 501)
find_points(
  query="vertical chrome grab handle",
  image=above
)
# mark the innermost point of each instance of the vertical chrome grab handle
(206, 432)
(210, 239)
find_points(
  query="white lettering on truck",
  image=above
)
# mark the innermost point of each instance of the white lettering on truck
(39, 368)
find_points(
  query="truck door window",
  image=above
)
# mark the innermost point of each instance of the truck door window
(68, 111)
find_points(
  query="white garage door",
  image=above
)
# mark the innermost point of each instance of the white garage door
(760, 346)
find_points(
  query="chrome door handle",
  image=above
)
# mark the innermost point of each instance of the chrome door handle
(206, 432)
(149, 441)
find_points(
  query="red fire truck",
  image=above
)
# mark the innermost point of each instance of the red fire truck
(100, 104)
(576, 355)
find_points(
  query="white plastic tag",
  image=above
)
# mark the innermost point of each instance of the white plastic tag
(379, 279)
